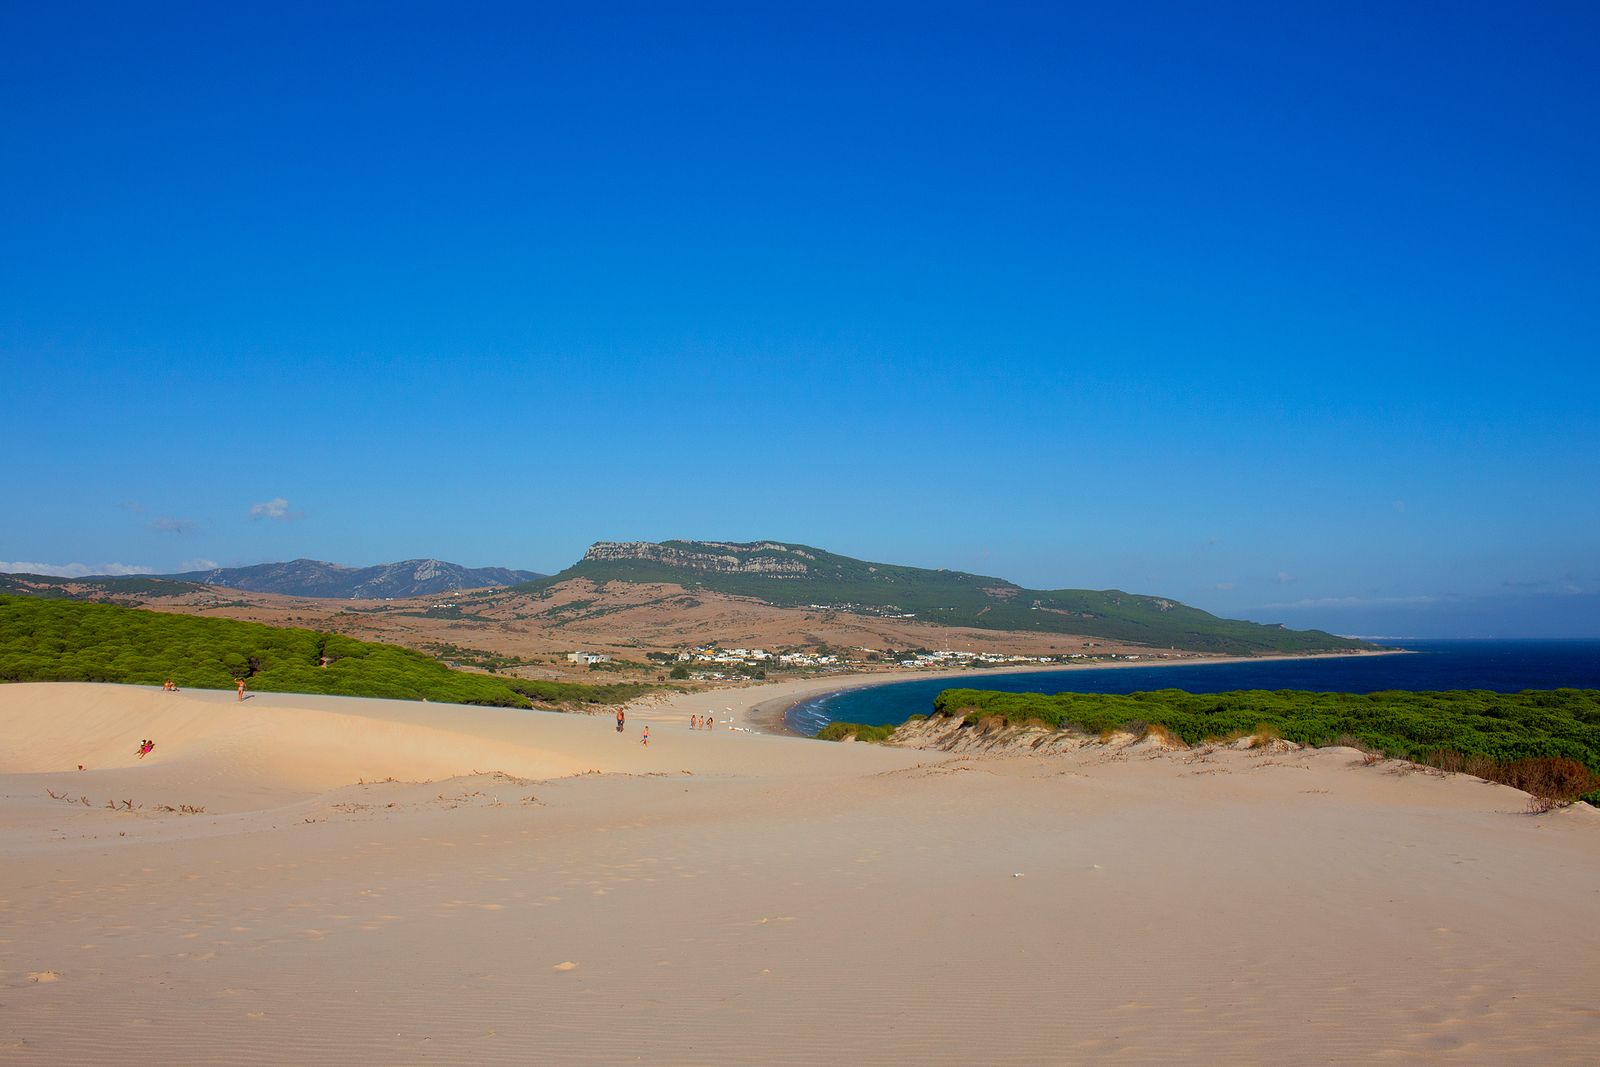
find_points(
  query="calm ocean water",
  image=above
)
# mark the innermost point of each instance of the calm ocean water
(1503, 666)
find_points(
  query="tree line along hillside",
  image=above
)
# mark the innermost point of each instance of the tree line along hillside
(50, 587)
(53, 640)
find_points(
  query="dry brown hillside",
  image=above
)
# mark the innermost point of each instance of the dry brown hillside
(627, 621)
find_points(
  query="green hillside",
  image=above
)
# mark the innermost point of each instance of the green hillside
(46, 639)
(801, 576)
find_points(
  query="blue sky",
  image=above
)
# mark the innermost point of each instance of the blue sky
(1289, 311)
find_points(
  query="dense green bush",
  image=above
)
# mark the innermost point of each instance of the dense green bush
(1502, 727)
(69, 641)
(845, 731)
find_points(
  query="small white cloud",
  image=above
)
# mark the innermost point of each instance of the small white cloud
(167, 524)
(198, 565)
(1223, 586)
(276, 509)
(71, 570)
(130, 505)
(1284, 577)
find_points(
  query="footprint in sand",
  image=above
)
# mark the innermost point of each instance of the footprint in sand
(43, 976)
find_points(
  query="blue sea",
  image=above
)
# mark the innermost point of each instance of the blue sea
(1502, 666)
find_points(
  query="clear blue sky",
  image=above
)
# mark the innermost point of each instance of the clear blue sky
(1289, 311)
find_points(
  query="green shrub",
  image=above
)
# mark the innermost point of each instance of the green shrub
(848, 731)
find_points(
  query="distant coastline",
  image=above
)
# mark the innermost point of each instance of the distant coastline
(770, 715)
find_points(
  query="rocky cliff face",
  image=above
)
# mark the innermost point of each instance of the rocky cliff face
(719, 557)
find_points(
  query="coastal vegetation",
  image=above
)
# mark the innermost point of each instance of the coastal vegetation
(1548, 739)
(59, 640)
(854, 731)
(798, 576)
(551, 693)
(482, 659)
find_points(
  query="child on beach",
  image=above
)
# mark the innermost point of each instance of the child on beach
(644, 738)
(620, 718)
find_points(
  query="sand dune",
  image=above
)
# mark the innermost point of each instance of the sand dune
(725, 897)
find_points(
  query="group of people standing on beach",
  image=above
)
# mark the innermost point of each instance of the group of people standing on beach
(696, 722)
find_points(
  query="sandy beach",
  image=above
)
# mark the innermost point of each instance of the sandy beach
(299, 879)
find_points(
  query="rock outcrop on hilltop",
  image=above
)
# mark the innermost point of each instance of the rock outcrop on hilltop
(757, 557)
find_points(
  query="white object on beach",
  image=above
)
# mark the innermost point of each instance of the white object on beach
(1017, 875)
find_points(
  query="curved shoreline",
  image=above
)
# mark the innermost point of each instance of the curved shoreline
(770, 715)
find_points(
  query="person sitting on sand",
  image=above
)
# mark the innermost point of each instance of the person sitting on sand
(170, 686)
(146, 747)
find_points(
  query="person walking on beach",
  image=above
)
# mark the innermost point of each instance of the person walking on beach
(620, 720)
(240, 686)
(644, 738)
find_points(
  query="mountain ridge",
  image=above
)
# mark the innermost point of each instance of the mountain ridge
(318, 578)
(791, 575)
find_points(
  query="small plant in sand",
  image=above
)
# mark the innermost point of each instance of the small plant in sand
(854, 731)
(1264, 733)
(1163, 736)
